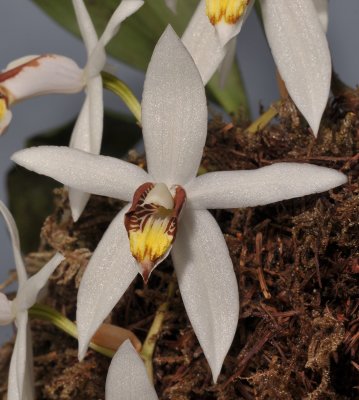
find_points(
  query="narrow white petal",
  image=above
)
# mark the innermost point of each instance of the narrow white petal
(201, 40)
(227, 62)
(208, 284)
(18, 362)
(46, 74)
(78, 201)
(109, 273)
(15, 242)
(172, 5)
(322, 10)
(97, 58)
(5, 310)
(226, 31)
(27, 294)
(86, 26)
(174, 112)
(106, 176)
(281, 181)
(127, 377)
(5, 121)
(300, 51)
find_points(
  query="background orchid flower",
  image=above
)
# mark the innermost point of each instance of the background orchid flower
(174, 121)
(127, 376)
(20, 375)
(295, 35)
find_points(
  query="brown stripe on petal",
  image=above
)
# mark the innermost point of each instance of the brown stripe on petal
(8, 74)
(152, 228)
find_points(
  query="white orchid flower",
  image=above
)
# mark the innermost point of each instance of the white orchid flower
(174, 121)
(50, 73)
(127, 377)
(20, 374)
(295, 35)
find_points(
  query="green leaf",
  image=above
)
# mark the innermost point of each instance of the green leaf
(139, 34)
(30, 194)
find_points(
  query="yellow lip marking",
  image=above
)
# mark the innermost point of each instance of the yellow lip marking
(228, 10)
(151, 224)
(3, 108)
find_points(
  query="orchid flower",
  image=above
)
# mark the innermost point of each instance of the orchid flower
(295, 35)
(174, 122)
(50, 73)
(20, 375)
(127, 376)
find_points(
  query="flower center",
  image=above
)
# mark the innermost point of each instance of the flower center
(151, 223)
(228, 10)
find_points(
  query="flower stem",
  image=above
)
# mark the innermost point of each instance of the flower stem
(264, 119)
(149, 344)
(48, 314)
(115, 85)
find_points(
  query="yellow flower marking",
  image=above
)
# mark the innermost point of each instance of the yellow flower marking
(228, 10)
(3, 108)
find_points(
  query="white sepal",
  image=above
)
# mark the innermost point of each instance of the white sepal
(202, 42)
(6, 315)
(49, 73)
(109, 273)
(105, 176)
(300, 51)
(229, 59)
(86, 26)
(174, 112)
(321, 7)
(208, 284)
(280, 181)
(127, 376)
(15, 242)
(27, 294)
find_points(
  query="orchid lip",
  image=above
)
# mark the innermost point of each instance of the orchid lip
(228, 11)
(151, 223)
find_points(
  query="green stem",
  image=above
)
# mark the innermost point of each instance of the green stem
(48, 314)
(149, 344)
(115, 85)
(264, 119)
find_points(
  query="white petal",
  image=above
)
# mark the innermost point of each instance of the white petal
(46, 74)
(106, 176)
(27, 294)
(97, 59)
(19, 61)
(172, 5)
(127, 377)
(227, 62)
(5, 121)
(281, 181)
(174, 112)
(208, 284)
(18, 364)
(322, 10)
(109, 273)
(201, 40)
(6, 316)
(87, 29)
(78, 201)
(300, 51)
(15, 241)
(227, 31)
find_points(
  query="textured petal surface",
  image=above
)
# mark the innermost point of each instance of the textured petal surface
(281, 181)
(87, 29)
(27, 294)
(15, 242)
(46, 74)
(106, 176)
(107, 276)
(301, 52)
(97, 59)
(227, 62)
(174, 112)
(5, 310)
(322, 10)
(18, 364)
(208, 284)
(201, 40)
(227, 31)
(127, 376)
